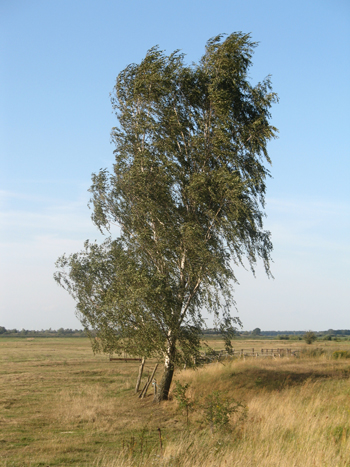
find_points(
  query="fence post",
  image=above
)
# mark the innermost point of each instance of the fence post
(149, 382)
(145, 386)
(160, 440)
(139, 376)
(155, 388)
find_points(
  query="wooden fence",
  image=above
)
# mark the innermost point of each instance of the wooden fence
(124, 359)
(205, 357)
(251, 352)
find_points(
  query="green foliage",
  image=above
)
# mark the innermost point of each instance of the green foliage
(295, 338)
(25, 333)
(218, 409)
(183, 401)
(309, 337)
(256, 332)
(338, 433)
(187, 192)
(341, 354)
(283, 337)
(312, 352)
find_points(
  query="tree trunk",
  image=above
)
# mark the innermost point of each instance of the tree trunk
(164, 386)
(165, 383)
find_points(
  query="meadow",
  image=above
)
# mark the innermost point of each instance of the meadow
(60, 405)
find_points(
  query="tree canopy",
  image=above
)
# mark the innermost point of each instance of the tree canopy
(187, 191)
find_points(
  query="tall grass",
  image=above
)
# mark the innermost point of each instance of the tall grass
(304, 422)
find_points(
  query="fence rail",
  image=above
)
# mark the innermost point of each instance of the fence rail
(251, 352)
(125, 359)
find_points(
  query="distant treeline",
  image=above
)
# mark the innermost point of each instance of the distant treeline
(332, 332)
(43, 333)
(287, 335)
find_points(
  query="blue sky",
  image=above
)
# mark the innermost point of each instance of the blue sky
(59, 62)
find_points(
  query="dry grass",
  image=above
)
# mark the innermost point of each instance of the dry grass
(60, 405)
(302, 420)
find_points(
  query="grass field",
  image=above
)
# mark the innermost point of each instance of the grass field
(61, 405)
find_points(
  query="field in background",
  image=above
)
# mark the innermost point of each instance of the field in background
(61, 405)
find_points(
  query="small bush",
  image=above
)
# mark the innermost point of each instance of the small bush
(182, 400)
(295, 338)
(217, 410)
(283, 338)
(341, 354)
(309, 337)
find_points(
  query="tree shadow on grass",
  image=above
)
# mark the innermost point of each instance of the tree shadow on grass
(272, 380)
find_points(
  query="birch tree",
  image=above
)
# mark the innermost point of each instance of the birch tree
(187, 192)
